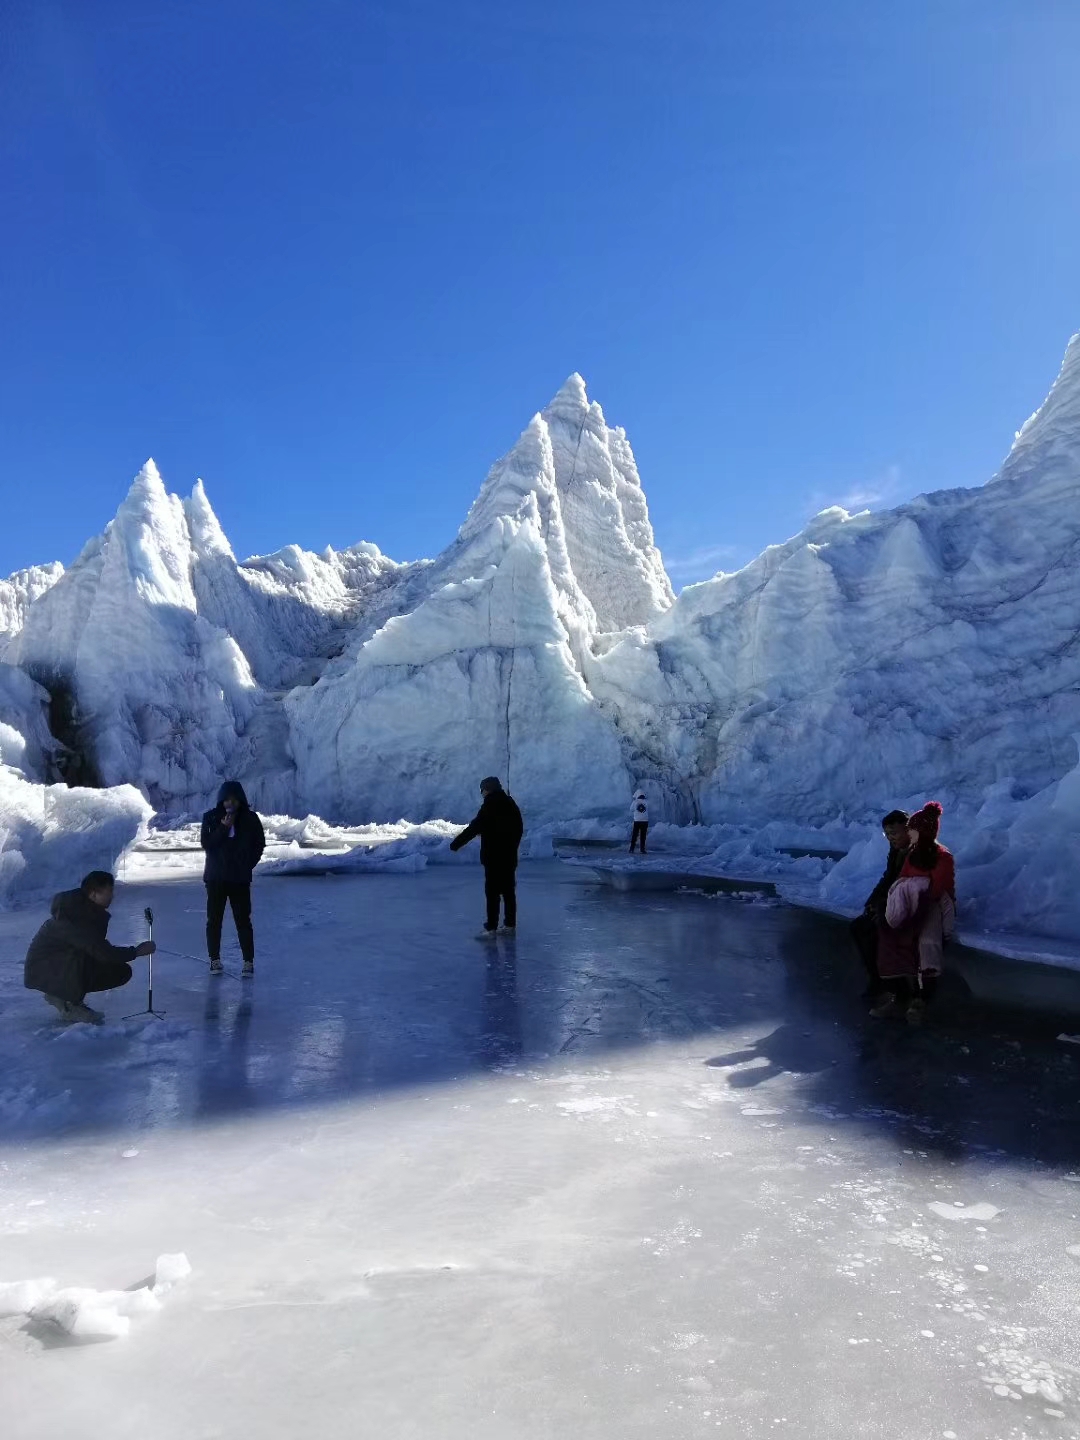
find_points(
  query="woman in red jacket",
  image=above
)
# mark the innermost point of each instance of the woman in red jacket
(919, 917)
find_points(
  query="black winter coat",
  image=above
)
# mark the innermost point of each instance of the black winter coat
(500, 827)
(230, 859)
(77, 931)
(875, 904)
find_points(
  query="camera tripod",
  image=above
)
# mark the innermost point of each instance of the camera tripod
(148, 914)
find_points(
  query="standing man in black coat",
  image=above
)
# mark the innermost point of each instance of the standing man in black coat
(498, 823)
(232, 836)
(71, 953)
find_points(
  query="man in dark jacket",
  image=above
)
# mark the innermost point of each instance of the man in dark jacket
(499, 825)
(864, 930)
(71, 954)
(232, 836)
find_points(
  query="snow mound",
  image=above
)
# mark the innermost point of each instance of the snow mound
(87, 1314)
(50, 836)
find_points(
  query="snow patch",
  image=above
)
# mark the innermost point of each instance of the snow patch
(87, 1314)
(957, 1211)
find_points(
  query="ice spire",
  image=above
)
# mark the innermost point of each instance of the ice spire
(148, 545)
(1046, 450)
(207, 536)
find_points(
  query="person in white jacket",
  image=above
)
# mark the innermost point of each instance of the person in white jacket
(639, 815)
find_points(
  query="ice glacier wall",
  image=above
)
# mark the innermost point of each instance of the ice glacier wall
(870, 660)
(51, 835)
(934, 647)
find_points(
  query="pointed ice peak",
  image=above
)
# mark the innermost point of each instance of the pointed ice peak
(1046, 450)
(207, 535)
(572, 391)
(528, 466)
(148, 481)
(148, 544)
(571, 402)
(146, 496)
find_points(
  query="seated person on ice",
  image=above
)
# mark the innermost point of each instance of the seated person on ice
(920, 914)
(864, 930)
(232, 836)
(71, 955)
(498, 823)
(639, 818)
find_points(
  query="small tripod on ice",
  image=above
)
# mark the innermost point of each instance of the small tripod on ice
(157, 1014)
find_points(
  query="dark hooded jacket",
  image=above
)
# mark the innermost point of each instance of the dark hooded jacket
(78, 931)
(231, 855)
(498, 823)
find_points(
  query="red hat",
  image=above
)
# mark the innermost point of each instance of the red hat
(926, 820)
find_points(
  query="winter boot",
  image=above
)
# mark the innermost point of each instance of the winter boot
(249, 970)
(916, 1012)
(486, 934)
(216, 967)
(886, 1007)
(76, 1014)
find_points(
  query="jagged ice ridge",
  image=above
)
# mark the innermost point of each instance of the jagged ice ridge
(873, 659)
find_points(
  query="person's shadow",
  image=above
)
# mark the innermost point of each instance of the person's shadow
(787, 1049)
(500, 1025)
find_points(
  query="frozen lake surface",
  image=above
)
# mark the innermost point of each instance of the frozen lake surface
(646, 1171)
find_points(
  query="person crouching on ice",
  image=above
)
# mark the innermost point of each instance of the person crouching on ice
(232, 836)
(639, 816)
(920, 915)
(498, 823)
(71, 955)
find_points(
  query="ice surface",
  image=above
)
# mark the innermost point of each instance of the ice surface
(426, 1183)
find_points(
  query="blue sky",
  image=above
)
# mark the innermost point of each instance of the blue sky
(332, 256)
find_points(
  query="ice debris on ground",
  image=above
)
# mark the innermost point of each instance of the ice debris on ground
(87, 1314)
(958, 1211)
(872, 660)
(50, 836)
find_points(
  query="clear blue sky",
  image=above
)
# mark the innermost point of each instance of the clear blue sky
(332, 256)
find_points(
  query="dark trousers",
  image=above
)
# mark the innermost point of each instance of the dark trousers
(499, 884)
(639, 832)
(239, 897)
(864, 934)
(101, 975)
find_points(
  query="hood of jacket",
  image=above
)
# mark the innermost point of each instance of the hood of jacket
(234, 790)
(639, 794)
(73, 906)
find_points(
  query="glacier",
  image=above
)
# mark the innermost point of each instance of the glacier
(50, 832)
(873, 659)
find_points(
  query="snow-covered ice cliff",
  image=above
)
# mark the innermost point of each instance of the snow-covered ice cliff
(873, 659)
